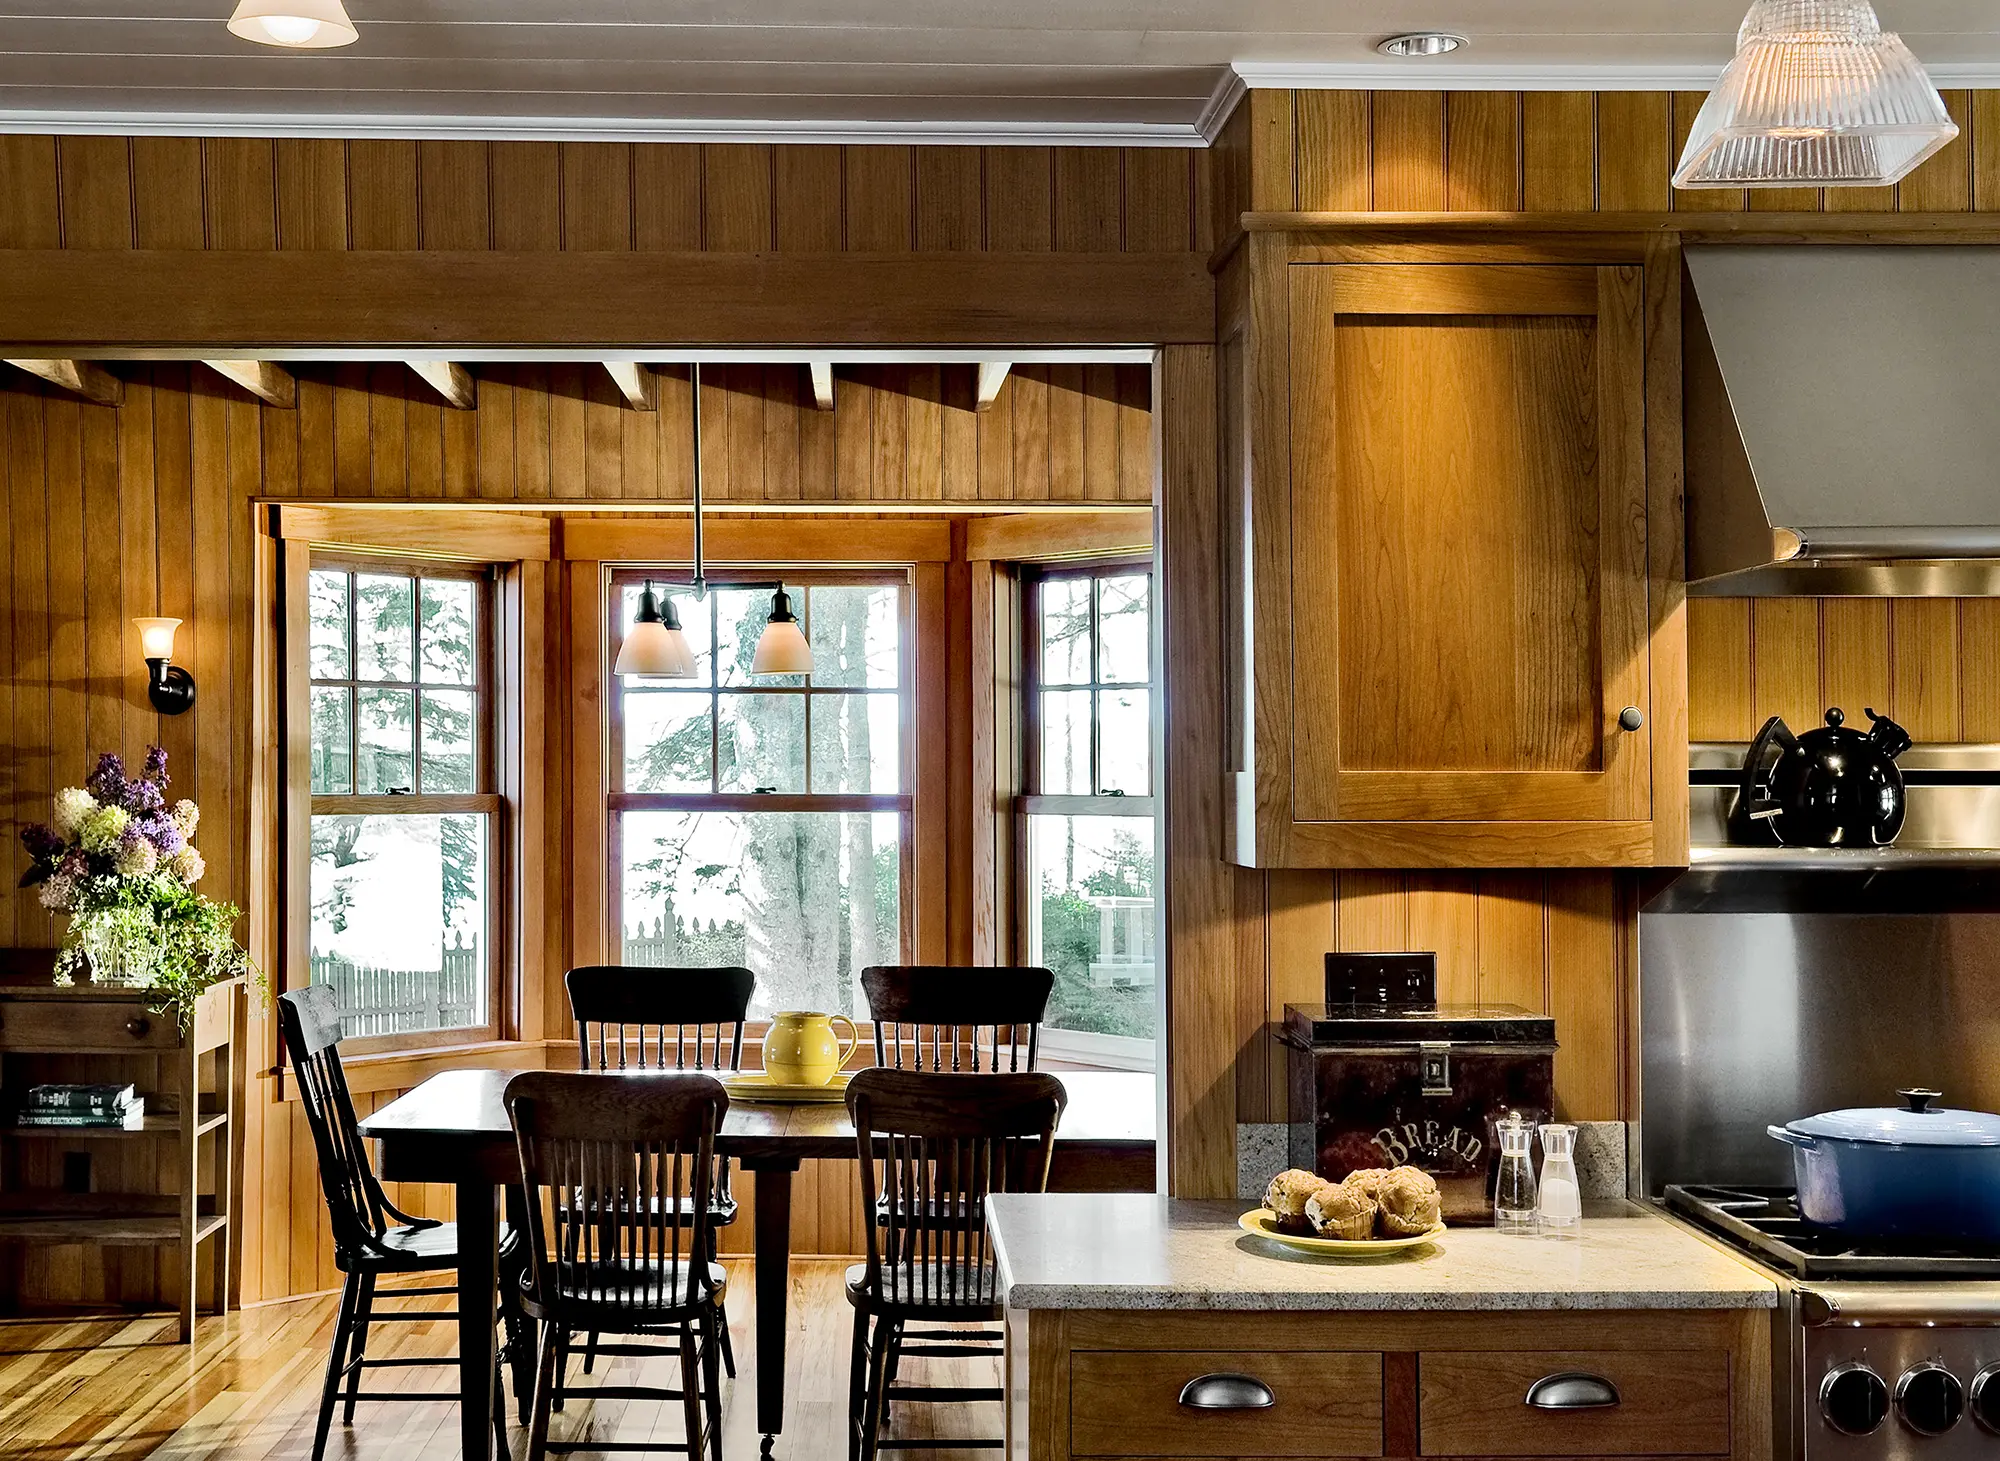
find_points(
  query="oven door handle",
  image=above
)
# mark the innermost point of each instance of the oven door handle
(1791, 1138)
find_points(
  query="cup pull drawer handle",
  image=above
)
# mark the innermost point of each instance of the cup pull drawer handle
(1572, 1390)
(1227, 1392)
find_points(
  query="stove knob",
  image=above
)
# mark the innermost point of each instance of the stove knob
(1853, 1399)
(1930, 1399)
(1985, 1398)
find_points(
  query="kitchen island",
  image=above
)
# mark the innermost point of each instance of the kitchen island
(1141, 1326)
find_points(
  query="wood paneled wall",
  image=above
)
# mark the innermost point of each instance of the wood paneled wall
(255, 193)
(145, 508)
(1933, 665)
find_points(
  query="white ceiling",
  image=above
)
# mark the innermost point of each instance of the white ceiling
(1091, 69)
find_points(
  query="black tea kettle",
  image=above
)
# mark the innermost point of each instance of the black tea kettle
(1831, 787)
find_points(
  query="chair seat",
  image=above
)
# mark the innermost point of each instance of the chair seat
(413, 1249)
(609, 1295)
(961, 1291)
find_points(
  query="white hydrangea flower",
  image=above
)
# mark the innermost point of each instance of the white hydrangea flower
(187, 865)
(185, 816)
(136, 857)
(103, 829)
(58, 893)
(74, 806)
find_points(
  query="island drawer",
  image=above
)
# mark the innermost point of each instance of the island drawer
(1296, 1403)
(1629, 1402)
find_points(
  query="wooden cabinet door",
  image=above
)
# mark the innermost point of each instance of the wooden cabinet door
(1468, 544)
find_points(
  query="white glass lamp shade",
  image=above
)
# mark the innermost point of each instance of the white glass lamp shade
(156, 637)
(305, 25)
(654, 645)
(782, 647)
(1819, 94)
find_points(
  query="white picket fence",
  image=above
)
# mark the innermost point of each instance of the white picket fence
(384, 1001)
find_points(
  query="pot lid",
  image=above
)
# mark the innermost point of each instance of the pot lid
(1915, 1123)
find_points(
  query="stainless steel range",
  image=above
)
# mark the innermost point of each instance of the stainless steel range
(1775, 985)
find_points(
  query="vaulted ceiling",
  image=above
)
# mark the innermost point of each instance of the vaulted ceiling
(1104, 69)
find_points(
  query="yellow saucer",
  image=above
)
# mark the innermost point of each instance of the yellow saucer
(1263, 1223)
(755, 1085)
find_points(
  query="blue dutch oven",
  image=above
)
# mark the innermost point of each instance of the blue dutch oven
(1914, 1174)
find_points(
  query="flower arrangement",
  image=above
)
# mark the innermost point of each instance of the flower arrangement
(121, 862)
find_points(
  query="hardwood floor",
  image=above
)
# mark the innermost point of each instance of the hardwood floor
(120, 1389)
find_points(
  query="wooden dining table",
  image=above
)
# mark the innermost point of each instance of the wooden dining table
(453, 1128)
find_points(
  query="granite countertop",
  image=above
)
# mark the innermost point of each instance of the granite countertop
(1137, 1251)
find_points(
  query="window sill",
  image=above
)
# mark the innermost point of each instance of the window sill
(396, 1070)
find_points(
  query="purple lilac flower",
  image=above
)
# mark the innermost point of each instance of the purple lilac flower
(161, 832)
(108, 783)
(75, 864)
(41, 841)
(145, 797)
(155, 769)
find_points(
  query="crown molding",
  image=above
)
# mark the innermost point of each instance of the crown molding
(1229, 91)
(940, 132)
(1386, 74)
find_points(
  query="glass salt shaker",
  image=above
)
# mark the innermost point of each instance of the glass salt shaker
(1561, 1207)
(1514, 1191)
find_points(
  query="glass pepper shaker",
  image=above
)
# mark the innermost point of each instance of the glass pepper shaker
(1514, 1190)
(1561, 1207)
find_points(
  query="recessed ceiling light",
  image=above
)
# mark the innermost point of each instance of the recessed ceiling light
(1421, 43)
(299, 25)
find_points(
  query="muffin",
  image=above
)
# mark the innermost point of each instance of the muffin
(1287, 1196)
(1366, 1180)
(1409, 1203)
(1340, 1211)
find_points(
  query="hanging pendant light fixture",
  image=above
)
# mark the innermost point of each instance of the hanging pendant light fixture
(1818, 94)
(655, 644)
(299, 25)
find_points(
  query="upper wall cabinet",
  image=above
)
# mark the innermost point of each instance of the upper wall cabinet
(1450, 626)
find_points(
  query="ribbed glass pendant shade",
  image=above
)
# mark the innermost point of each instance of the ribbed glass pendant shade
(1818, 94)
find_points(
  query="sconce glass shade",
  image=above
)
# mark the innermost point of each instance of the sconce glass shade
(156, 637)
(782, 647)
(1818, 94)
(303, 25)
(654, 645)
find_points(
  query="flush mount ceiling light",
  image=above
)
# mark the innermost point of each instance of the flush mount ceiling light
(1818, 94)
(1421, 43)
(300, 25)
(654, 644)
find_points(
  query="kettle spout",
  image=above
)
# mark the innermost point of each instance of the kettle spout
(1891, 739)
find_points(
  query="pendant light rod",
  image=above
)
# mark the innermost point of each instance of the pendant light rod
(700, 583)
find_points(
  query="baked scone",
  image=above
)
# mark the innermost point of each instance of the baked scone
(1340, 1211)
(1287, 1197)
(1409, 1203)
(1367, 1179)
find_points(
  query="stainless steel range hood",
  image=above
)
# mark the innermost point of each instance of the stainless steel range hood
(1843, 420)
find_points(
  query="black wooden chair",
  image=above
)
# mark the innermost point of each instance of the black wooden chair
(929, 1016)
(932, 1146)
(643, 1018)
(609, 1167)
(371, 1238)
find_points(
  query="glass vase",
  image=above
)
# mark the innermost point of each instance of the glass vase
(120, 959)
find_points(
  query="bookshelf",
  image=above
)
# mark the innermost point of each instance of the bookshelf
(74, 1185)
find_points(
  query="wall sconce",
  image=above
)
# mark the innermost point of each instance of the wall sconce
(171, 688)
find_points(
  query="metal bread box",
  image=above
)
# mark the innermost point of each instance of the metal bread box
(1384, 1076)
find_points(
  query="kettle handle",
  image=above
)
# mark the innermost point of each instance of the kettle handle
(1756, 806)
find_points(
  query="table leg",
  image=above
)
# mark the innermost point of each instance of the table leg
(478, 1290)
(773, 1191)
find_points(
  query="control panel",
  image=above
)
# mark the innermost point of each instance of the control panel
(1925, 1393)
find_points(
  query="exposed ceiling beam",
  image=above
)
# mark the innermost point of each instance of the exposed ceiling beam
(450, 380)
(635, 382)
(269, 383)
(92, 382)
(822, 383)
(992, 376)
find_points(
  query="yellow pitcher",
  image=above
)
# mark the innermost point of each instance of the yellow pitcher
(800, 1048)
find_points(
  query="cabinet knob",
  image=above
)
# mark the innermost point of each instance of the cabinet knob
(1631, 718)
(1572, 1390)
(138, 1027)
(1227, 1392)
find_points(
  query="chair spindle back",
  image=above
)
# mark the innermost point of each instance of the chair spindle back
(941, 1143)
(607, 1164)
(310, 1021)
(931, 1016)
(629, 1017)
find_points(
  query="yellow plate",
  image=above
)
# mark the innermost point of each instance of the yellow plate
(754, 1085)
(1263, 1223)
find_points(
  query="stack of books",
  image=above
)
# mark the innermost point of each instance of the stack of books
(118, 1107)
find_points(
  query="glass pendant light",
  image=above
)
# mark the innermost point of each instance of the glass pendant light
(782, 647)
(1819, 94)
(655, 645)
(300, 25)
